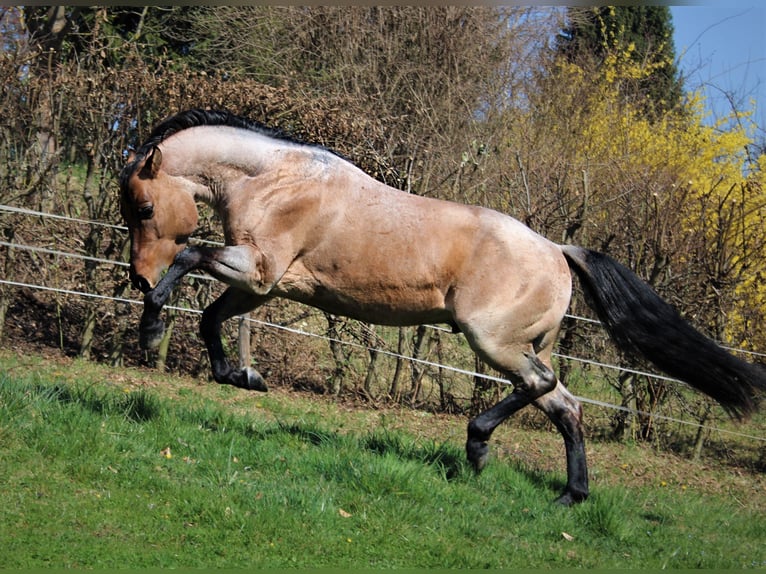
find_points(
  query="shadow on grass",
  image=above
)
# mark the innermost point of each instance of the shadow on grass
(137, 406)
(447, 459)
(141, 407)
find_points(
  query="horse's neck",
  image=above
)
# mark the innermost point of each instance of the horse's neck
(236, 148)
(211, 157)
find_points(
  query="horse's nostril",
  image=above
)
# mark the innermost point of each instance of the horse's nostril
(142, 284)
(138, 281)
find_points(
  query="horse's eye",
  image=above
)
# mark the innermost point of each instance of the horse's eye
(146, 211)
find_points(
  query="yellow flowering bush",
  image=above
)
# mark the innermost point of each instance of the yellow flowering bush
(674, 186)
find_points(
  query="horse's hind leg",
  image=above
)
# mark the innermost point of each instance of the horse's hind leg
(566, 414)
(531, 380)
(232, 302)
(535, 382)
(482, 427)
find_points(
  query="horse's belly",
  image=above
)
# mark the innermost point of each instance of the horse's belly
(365, 301)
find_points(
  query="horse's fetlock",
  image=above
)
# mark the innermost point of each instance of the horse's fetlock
(476, 447)
(151, 329)
(572, 496)
(477, 453)
(477, 432)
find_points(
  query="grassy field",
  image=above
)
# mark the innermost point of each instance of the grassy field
(127, 468)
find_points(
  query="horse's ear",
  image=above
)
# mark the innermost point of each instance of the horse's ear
(131, 156)
(153, 162)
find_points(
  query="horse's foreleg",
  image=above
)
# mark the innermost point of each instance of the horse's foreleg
(241, 265)
(566, 414)
(232, 302)
(151, 327)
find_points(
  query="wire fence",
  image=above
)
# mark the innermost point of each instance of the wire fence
(370, 348)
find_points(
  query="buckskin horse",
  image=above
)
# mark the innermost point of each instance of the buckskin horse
(303, 223)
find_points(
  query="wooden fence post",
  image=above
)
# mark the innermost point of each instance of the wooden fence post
(244, 340)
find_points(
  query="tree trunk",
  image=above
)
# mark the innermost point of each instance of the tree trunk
(5, 299)
(626, 422)
(369, 378)
(170, 320)
(88, 331)
(699, 440)
(370, 340)
(484, 393)
(419, 351)
(336, 348)
(393, 392)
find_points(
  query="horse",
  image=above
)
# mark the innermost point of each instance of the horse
(303, 223)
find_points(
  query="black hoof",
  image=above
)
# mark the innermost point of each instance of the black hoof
(150, 332)
(477, 453)
(247, 378)
(570, 498)
(253, 380)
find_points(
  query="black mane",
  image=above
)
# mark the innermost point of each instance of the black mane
(199, 117)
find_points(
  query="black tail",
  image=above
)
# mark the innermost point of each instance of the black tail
(640, 321)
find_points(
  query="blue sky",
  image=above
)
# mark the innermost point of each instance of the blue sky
(721, 47)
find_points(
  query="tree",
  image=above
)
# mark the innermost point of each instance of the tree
(68, 32)
(645, 33)
(679, 202)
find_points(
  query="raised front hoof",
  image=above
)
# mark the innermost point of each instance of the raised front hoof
(571, 498)
(477, 453)
(247, 378)
(254, 380)
(150, 333)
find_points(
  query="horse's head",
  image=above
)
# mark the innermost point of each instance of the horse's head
(160, 214)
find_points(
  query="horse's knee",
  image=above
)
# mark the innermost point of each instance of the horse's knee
(245, 266)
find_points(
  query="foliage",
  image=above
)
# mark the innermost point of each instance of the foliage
(678, 200)
(645, 33)
(71, 31)
(694, 197)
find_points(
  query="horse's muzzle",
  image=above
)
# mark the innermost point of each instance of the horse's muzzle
(138, 281)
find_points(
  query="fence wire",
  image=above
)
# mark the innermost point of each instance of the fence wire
(451, 368)
(300, 332)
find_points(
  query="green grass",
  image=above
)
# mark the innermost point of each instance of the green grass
(86, 481)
